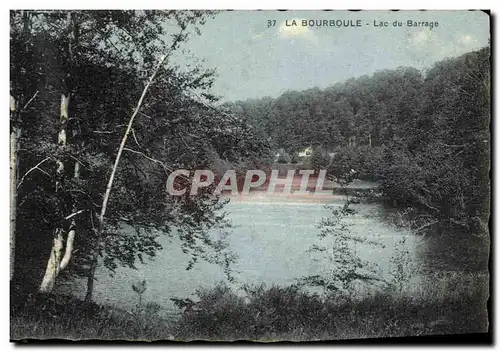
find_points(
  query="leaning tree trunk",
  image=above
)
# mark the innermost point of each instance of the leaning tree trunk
(70, 240)
(53, 265)
(58, 261)
(100, 229)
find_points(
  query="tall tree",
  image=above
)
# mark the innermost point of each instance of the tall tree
(175, 126)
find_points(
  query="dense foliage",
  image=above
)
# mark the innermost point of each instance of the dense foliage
(451, 305)
(289, 313)
(100, 61)
(423, 135)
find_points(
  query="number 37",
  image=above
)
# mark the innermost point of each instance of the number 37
(271, 23)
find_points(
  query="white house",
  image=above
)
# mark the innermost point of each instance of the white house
(306, 152)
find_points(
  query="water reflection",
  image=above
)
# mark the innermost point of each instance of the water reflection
(270, 238)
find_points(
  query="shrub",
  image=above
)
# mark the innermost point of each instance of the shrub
(64, 317)
(289, 313)
(263, 313)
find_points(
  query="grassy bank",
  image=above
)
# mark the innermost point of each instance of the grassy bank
(49, 317)
(448, 306)
(291, 314)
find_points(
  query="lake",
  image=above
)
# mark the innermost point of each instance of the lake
(270, 237)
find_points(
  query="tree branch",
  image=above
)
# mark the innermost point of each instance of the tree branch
(455, 145)
(36, 167)
(29, 101)
(109, 132)
(74, 214)
(426, 225)
(135, 138)
(152, 159)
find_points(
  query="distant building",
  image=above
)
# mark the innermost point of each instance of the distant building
(307, 152)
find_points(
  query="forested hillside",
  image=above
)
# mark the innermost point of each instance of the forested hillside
(423, 134)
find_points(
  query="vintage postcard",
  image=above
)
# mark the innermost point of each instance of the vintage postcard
(249, 175)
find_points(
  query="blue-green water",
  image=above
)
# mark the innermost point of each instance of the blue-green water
(271, 241)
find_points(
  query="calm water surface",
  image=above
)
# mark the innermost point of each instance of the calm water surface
(270, 238)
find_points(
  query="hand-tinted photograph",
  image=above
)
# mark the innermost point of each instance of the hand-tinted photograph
(266, 176)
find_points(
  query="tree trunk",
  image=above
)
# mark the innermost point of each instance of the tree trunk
(14, 175)
(72, 228)
(100, 229)
(53, 266)
(52, 269)
(90, 280)
(56, 261)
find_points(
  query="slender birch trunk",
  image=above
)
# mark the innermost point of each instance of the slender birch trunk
(53, 266)
(14, 175)
(15, 136)
(57, 261)
(100, 229)
(97, 247)
(70, 240)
